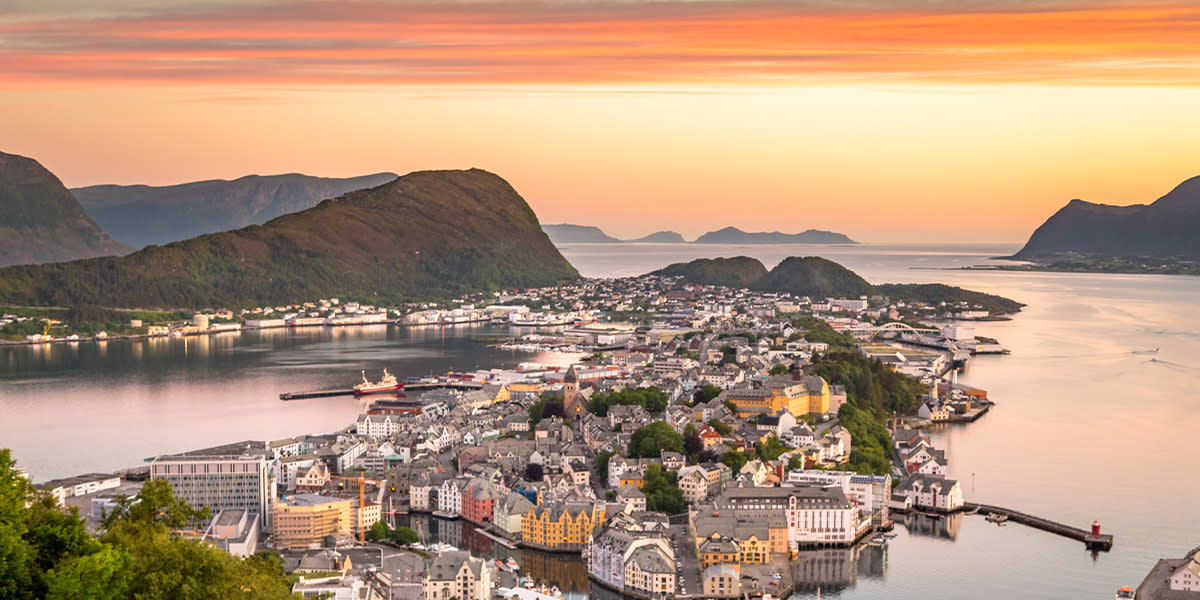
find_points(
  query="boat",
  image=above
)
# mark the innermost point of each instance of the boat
(512, 565)
(387, 384)
(996, 518)
(1124, 592)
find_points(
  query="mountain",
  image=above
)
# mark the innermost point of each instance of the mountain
(736, 272)
(143, 215)
(660, 237)
(814, 277)
(733, 235)
(1165, 229)
(425, 234)
(577, 234)
(40, 221)
(819, 278)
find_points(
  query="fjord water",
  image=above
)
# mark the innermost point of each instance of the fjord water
(1087, 425)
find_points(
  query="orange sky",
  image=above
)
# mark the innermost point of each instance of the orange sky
(887, 120)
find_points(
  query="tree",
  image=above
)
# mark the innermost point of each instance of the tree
(379, 532)
(735, 460)
(771, 450)
(405, 536)
(600, 464)
(706, 393)
(651, 440)
(692, 444)
(780, 370)
(721, 427)
(795, 462)
(103, 575)
(156, 503)
(533, 472)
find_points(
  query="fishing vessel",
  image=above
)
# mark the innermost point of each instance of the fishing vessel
(388, 383)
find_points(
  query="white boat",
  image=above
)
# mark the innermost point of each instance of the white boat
(512, 565)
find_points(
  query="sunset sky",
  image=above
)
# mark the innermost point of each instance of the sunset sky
(886, 120)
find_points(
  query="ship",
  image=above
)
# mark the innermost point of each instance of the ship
(387, 384)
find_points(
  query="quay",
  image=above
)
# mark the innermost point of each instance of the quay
(315, 394)
(1093, 540)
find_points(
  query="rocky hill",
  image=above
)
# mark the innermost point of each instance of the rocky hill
(141, 215)
(737, 272)
(733, 235)
(425, 234)
(40, 221)
(814, 277)
(1165, 229)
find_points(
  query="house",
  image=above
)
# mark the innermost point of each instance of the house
(931, 493)
(627, 559)
(559, 524)
(457, 575)
(721, 580)
(479, 501)
(508, 513)
(632, 496)
(694, 483)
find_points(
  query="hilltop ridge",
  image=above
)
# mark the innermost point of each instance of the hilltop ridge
(41, 221)
(424, 234)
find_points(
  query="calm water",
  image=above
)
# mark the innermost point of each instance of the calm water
(1085, 427)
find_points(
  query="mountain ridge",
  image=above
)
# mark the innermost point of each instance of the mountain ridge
(421, 235)
(568, 233)
(1080, 229)
(142, 215)
(41, 221)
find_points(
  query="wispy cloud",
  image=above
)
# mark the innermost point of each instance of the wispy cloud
(760, 42)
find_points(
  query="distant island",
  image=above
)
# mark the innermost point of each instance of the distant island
(820, 278)
(1161, 237)
(733, 235)
(427, 234)
(566, 233)
(41, 221)
(141, 215)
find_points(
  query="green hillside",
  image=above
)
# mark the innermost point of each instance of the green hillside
(425, 234)
(738, 272)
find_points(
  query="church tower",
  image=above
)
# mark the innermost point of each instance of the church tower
(572, 404)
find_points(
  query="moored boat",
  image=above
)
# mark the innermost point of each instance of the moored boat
(387, 384)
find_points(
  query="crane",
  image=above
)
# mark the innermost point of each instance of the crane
(362, 498)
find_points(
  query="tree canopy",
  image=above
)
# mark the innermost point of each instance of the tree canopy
(47, 552)
(652, 399)
(651, 440)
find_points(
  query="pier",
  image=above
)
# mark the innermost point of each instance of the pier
(1093, 541)
(316, 394)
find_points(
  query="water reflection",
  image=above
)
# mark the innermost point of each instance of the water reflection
(940, 526)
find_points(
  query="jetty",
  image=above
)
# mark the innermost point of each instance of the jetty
(1094, 540)
(315, 394)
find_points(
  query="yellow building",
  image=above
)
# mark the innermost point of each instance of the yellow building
(561, 524)
(801, 395)
(306, 519)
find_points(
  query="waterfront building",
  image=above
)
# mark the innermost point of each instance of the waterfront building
(927, 492)
(479, 500)
(80, 485)
(813, 515)
(237, 476)
(870, 493)
(631, 560)
(307, 519)
(560, 524)
(508, 513)
(799, 394)
(1173, 579)
(457, 576)
(450, 496)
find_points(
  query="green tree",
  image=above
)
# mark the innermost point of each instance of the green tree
(720, 426)
(692, 444)
(405, 536)
(771, 450)
(156, 504)
(103, 575)
(600, 464)
(780, 370)
(651, 440)
(379, 532)
(735, 460)
(708, 392)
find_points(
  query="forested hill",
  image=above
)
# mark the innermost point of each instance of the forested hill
(425, 234)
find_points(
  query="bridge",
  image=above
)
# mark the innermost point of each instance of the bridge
(895, 326)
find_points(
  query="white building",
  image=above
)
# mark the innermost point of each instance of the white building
(457, 576)
(222, 481)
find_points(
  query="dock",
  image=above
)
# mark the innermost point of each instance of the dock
(1092, 541)
(315, 394)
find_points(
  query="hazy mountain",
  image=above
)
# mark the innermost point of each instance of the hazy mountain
(1167, 228)
(733, 235)
(738, 272)
(566, 233)
(425, 234)
(143, 215)
(660, 237)
(819, 278)
(40, 221)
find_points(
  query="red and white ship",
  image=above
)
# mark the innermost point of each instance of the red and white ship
(387, 384)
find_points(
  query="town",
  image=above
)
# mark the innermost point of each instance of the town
(695, 443)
